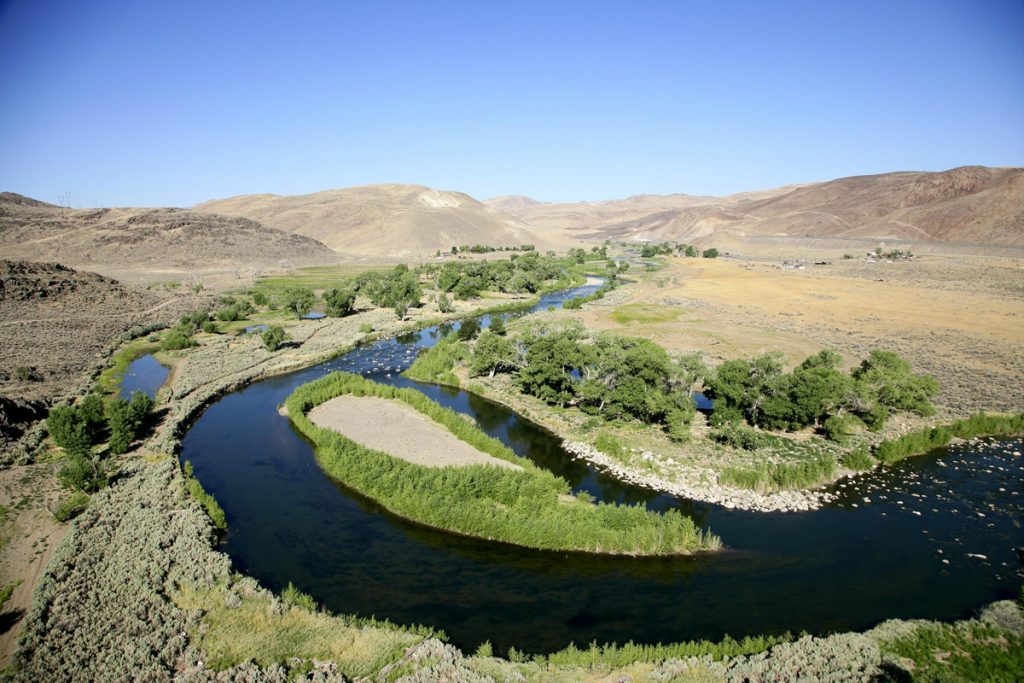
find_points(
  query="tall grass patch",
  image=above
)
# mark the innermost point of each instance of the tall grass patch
(779, 476)
(268, 632)
(914, 443)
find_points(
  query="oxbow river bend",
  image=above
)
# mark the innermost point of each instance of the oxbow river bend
(933, 537)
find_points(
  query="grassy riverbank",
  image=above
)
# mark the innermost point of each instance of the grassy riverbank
(921, 441)
(531, 507)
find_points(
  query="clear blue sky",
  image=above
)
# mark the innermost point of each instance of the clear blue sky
(172, 103)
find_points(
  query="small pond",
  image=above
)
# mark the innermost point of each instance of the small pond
(143, 374)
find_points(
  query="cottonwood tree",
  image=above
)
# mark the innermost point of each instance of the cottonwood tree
(298, 300)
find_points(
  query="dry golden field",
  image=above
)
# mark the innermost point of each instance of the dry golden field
(960, 317)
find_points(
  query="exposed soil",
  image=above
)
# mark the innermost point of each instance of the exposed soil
(399, 430)
(30, 533)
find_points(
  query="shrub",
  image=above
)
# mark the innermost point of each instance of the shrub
(69, 429)
(610, 445)
(92, 411)
(710, 253)
(837, 428)
(24, 373)
(293, 596)
(892, 450)
(228, 314)
(177, 338)
(740, 436)
(298, 300)
(858, 460)
(273, 337)
(768, 477)
(122, 426)
(366, 328)
(209, 327)
(339, 302)
(82, 473)
(444, 304)
(71, 507)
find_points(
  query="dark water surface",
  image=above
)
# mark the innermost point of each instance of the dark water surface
(903, 552)
(143, 374)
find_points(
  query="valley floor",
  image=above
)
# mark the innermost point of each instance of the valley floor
(138, 589)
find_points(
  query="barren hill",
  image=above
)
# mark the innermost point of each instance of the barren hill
(153, 240)
(386, 220)
(972, 204)
(511, 202)
(56, 323)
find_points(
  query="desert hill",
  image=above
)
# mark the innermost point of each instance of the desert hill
(154, 240)
(972, 204)
(57, 322)
(387, 220)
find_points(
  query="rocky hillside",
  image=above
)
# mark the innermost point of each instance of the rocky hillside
(147, 239)
(399, 221)
(56, 324)
(972, 204)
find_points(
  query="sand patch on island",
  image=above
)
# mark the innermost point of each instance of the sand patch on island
(398, 430)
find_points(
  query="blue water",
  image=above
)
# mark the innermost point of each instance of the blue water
(143, 374)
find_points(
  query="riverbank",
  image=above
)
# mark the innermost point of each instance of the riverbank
(528, 507)
(139, 591)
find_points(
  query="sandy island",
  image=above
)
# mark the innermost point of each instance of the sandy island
(398, 430)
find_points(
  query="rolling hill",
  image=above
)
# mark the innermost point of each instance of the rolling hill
(972, 204)
(154, 240)
(387, 220)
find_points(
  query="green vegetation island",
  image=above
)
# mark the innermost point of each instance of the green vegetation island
(527, 506)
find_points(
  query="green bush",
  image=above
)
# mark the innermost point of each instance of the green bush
(525, 507)
(858, 460)
(71, 507)
(769, 477)
(436, 363)
(69, 429)
(273, 337)
(82, 473)
(339, 302)
(298, 300)
(293, 596)
(740, 436)
(610, 445)
(177, 338)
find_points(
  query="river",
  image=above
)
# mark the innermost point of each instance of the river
(932, 537)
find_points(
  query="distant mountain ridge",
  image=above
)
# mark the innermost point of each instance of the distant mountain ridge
(387, 220)
(972, 204)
